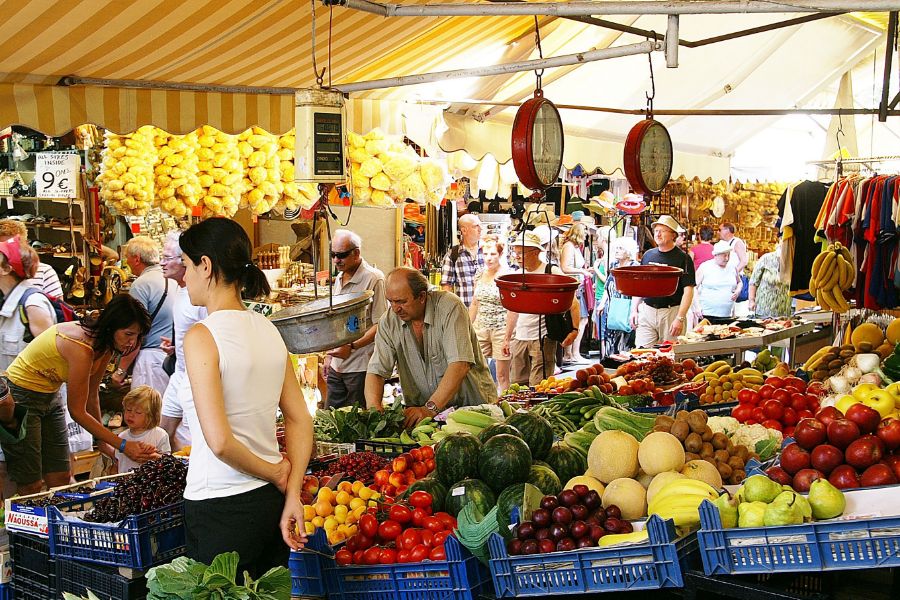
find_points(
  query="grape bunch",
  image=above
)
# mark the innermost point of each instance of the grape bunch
(154, 484)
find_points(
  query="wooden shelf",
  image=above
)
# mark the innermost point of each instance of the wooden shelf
(78, 201)
(66, 228)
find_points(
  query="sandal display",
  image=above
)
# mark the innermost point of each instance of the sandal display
(78, 285)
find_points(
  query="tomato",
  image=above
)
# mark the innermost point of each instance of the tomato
(440, 538)
(400, 513)
(343, 557)
(409, 539)
(389, 530)
(433, 524)
(359, 557)
(796, 383)
(418, 516)
(758, 415)
(381, 477)
(420, 499)
(747, 396)
(428, 537)
(437, 553)
(351, 544)
(446, 520)
(403, 556)
(773, 409)
(418, 554)
(430, 465)
(782, 395)
(368, 525)
(388, 556)
(419, 469)
(789, 417)
(416, 454)
(742, 412)
(372, 556)
(798, 402)
(765, 391)
(772, 424)
(427, 452)
(775, 382)
(363, 542)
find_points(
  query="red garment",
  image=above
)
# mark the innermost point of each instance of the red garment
(871, 234)
(702, 253)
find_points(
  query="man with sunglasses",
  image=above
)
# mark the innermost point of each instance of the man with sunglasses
(346, 365)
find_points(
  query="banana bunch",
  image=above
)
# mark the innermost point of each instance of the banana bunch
(220, 172)
(177, 184)
(635, 537)
(832, 275)
(680, 501)
(126, 173)
(262, 184)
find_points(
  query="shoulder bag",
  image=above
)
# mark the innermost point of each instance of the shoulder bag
(559, 326)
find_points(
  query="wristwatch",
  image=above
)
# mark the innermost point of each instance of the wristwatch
(121, 372)
(432, 407)
(679, 318)
(352, 347)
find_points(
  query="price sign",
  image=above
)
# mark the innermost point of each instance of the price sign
(56, 174)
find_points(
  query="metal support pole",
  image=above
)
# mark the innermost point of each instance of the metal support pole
(672, 42)
(612, 7)
(888, 60)
(514, 67)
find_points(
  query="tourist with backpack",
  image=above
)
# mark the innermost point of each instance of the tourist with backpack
(464, 261)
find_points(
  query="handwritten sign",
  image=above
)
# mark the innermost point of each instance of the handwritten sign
(56, 174)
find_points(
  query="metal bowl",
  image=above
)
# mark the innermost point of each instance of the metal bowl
(320, 325)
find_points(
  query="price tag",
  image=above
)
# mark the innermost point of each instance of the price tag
(56, 173)
(461, 490)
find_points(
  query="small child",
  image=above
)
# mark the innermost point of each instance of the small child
(143, 406)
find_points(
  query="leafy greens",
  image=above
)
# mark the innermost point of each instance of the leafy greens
(348, 424)
(187, 579)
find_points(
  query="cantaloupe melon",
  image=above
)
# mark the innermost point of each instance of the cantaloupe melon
(703, 471)
(613, 455)
(893, 332)
(660, 481)
(629, 495)
(644, 479)
(867, 332)
(590, 482)
(659, 452)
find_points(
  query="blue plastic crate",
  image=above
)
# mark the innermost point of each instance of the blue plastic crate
(33, 568)
(460, 577)
(306, 567)
(662, 410)
(824, 546)
(649, 566)
(106, 583)
(137, 542)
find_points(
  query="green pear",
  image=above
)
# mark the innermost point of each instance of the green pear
(802, 503)
(827, 501)
(760, 488)
(728, 510)
(751, 514)
(786, 512)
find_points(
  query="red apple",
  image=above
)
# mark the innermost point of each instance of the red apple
(863, 453)
(782, 395)
(826, 458)
(809, 433)
(798, 402)
(829, 414)
(893, 462)
(877, 475)
(789, 417)
(789, 431)
(866, 417)
(889, 432)
(817, 388)
(779, 475)
(806, 414)
(775, 382)
(844, 477)
(877, 440)
(804, 478)
(841, 432)
(794, 458)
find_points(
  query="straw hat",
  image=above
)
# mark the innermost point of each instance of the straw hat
(721, 247)
(529, 239)
(605, 202)
(537, 214)
(668, 222)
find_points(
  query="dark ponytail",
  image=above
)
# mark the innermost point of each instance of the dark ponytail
(228, 248)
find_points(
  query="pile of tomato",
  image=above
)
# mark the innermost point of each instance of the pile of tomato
(407, 468)
(780, 403)
(399, 533)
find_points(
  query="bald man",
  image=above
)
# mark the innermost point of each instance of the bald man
(464, 260)
(428, 336)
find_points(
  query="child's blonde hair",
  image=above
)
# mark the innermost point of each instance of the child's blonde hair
(147, 398)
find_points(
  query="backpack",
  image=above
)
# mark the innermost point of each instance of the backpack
(559, 326)
(64, 311)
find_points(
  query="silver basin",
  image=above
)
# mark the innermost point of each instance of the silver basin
(318, 325)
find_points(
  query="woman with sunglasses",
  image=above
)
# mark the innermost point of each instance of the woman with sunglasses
(32, 426)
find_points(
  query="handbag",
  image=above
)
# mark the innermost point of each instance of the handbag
(559, 326)
(618, 316)
(744, 294)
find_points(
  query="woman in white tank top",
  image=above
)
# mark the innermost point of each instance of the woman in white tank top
(241, 494)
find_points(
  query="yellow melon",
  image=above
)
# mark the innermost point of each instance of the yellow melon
(893, 332)
(867, 332)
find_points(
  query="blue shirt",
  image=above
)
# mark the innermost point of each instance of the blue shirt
(148, 289)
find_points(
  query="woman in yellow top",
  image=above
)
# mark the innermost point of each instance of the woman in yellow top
(33, 432)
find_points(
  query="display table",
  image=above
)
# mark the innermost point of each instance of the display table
(736, 346)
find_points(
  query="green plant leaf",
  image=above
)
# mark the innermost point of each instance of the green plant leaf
(277, 582)
(224, 564)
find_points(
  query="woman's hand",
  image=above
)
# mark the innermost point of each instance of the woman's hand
(293, 527)
(140, 452)
(282, 472)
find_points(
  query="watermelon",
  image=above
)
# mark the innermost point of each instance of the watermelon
(503, 460)
(536, 432)
(497, 429)
(541, 463)
(566, 462)
(544, 479)
(456, 457)
(523, 496)
(470, 490)
(433, 486)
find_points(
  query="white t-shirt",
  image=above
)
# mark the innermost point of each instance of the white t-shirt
(252, 359)
(184, 316)
(156, 437)
(527, 325)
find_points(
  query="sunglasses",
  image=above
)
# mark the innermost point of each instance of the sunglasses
(342, 255)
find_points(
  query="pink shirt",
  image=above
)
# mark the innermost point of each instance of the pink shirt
(702, 253)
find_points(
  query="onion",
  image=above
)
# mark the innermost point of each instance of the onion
(828, 401)
(872, 378)
(868, 362)
(839, 384)
(852, 374)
